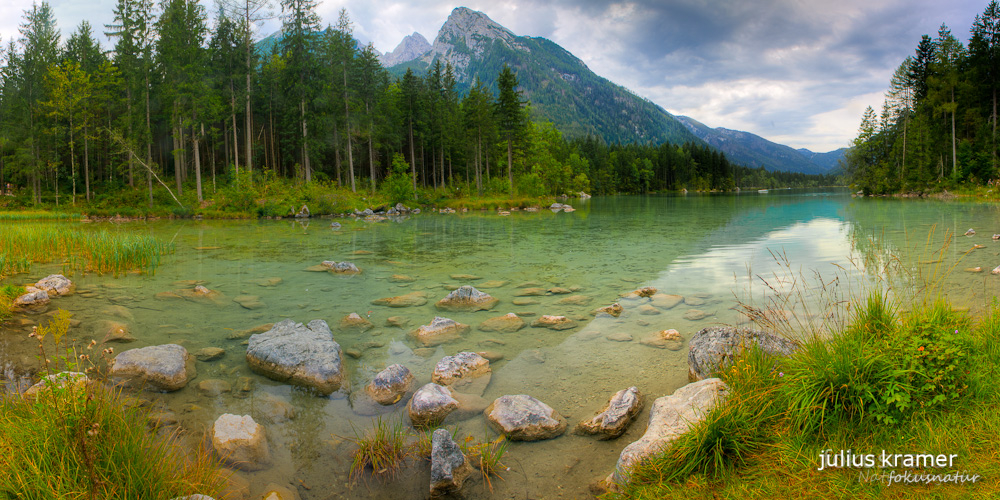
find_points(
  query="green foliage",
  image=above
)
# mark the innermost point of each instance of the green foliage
(933, 346)
(7, 295)
(95, 250)
(530, 185)
(732, 431)
(81, 441)
(398, 187)
(381, 450)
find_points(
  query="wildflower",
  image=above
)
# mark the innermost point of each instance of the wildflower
(781, 374)
(921, 348)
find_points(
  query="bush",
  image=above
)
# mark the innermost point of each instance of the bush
(933, 347)
(530, 185)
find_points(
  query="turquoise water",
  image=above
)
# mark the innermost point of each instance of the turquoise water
(789, 253)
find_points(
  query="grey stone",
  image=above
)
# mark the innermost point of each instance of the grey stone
(33, 297)
(430, 405)
(449, 466)
(55, 284)
(298, 354)
(439, 331)
(341, 267)
(160, 367)
(390, 384)
(524, 418)
(464, 365)
(613, 420)
(714, 348)
(241, 442)
(670, 417)
(467, 298)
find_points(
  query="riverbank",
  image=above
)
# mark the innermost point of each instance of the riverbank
(855, 417)
(268, 197)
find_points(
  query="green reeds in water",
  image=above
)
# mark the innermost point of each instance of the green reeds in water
(98, 251)
(28, 215)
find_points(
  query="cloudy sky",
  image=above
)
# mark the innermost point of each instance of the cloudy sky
(797, 72)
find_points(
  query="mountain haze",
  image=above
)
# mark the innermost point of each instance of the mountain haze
(559, 85)
(753, 150)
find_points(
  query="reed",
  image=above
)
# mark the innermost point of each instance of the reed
(382, 450)
(30, 215)
(99, 251)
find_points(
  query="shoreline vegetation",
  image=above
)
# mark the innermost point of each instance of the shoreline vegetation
(892, 382)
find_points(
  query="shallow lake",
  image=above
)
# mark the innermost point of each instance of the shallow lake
(716, 251)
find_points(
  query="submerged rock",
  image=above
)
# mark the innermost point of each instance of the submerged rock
(114, 331)
(33, 297)
(644, 292)
(209, 353)
(524, 418)
(574, 300)
(411, 299)
(241, 442)
(464, 365)
(697, 315)
(612, 310)
(670, 417)
(714, 348)
(355, 322)
(553, 322)
(508, 323)
(664, 339)
(467, 298)
(449, 466)
(439, 331)
(430, 405)
(55, 284)
(665, 300)
(390, 384)
(341, 267)
(613, 420)
(160, 367)
(299, 354)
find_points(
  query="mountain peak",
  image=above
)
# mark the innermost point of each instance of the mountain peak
(412, 47)
(469, 23)
(466, 35)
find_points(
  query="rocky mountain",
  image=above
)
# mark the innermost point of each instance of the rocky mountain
(559, 85)
(830, 160)
(412, 47)
(754, 151)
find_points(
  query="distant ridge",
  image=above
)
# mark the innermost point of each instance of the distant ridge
(560, 86)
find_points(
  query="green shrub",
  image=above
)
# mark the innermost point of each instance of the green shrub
(732, 431)
(530, 185)
(933, 346)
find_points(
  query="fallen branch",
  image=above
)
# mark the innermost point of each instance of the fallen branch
(115, 136)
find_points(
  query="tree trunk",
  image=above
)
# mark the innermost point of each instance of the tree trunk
(72, 157)
(336, 153)
(236, 144)
(149, 146)
(413, 160)
(131, 135)
(347, 131)
(510, 162)
(86, 162)
(305, 141)
(197, 160)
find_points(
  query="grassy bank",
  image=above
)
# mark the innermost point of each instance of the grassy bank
(76, 438)
(251, 196)
(99, 250)
(917, 382)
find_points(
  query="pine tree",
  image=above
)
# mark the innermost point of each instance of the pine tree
(510, 115)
